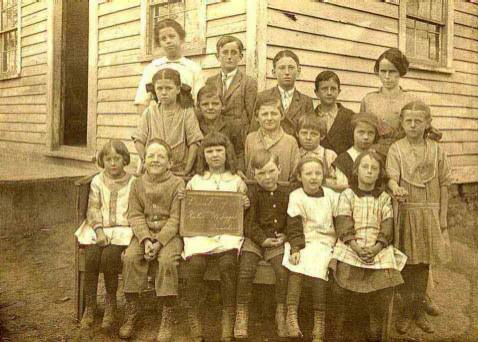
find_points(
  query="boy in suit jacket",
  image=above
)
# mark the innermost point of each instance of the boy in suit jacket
(238, 91)
(339, 137)
(294, 104)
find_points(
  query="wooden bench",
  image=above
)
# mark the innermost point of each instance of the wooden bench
(264, 275)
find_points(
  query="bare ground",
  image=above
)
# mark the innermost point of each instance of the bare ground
(37, 296)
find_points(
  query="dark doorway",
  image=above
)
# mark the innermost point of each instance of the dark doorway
(74, 116)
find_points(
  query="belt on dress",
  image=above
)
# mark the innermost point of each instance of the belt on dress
(417, 205)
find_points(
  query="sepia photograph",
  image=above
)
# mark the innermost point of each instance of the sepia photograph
(239, 170)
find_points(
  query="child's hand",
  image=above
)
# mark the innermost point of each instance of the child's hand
(269, 243)
(181, 194)
(371, 252)
(241, 174)
(281, 238)
(358, 249)
(101, 239)
(245, 202)
(399, 193)
(151, 249)
(294, 258)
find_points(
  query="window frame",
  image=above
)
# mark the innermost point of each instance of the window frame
(189, 49)
(446, 64)
(17, 71)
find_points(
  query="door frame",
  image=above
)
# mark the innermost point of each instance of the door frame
(54, 79)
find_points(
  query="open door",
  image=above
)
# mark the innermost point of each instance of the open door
(74, 73)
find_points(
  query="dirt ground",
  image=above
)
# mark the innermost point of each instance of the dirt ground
(37, 296)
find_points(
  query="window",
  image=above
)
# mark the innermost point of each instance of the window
(191, 14)
(9, 54)
(426, 33)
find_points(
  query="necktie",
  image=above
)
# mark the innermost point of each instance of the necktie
(225, 78)
(287, 99)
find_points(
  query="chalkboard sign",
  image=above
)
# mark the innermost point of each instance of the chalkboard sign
(210, 213)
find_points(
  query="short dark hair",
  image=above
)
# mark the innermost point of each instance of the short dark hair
(325, 76)
(396, 57)
(161, 142)
(285, 53)
(209, 90)
(312, 121)
(229, 39)
(267, 101)
(417, 105)
(114, 145)
(306, 160)
(216, 139)
(374, 155)
(261, 157)
(367, 118)
(162, 24)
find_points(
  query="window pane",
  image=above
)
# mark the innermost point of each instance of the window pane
(422, 44)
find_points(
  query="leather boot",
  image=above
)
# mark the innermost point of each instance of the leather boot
(88, 317)
(293, 328)
(131, 316)
(404, 319)
(227, 323)
(281, 313)
(430, 307)
(166, 328)
(318, 331)
(110, 312)
(242, 321)
(423, 323)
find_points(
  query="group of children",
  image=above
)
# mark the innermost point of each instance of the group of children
(320, 209)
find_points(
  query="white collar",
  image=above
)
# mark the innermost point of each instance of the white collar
(229, 75)
(283, 91)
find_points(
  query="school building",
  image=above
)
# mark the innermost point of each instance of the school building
(69, 69)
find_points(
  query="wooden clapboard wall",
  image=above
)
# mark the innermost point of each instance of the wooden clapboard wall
(120, 65)
(23, 99)
(347, 36)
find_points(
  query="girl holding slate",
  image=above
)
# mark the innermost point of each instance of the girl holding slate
(216, 171)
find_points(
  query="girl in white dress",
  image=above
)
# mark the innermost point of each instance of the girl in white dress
(311, 235)
(106, 232)
(216, 171)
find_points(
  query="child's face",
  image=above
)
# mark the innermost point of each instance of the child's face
(286, 71)
(215, 157)
(156, 160)
(309, 139)
(311, 177)
(210, 107)
(114, 163)
(414, 123)
(171, 43)
(229, 55)
(167, 91)
(364, 135)
(368, 171)
(269, 118)
(328, 92)
(268, 176)
(388, 74)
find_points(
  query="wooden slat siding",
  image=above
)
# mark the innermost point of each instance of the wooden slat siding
(22, 100)
(26, 137)
(120, 62)
(26, 118)
(465, 31)
(466, 44)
